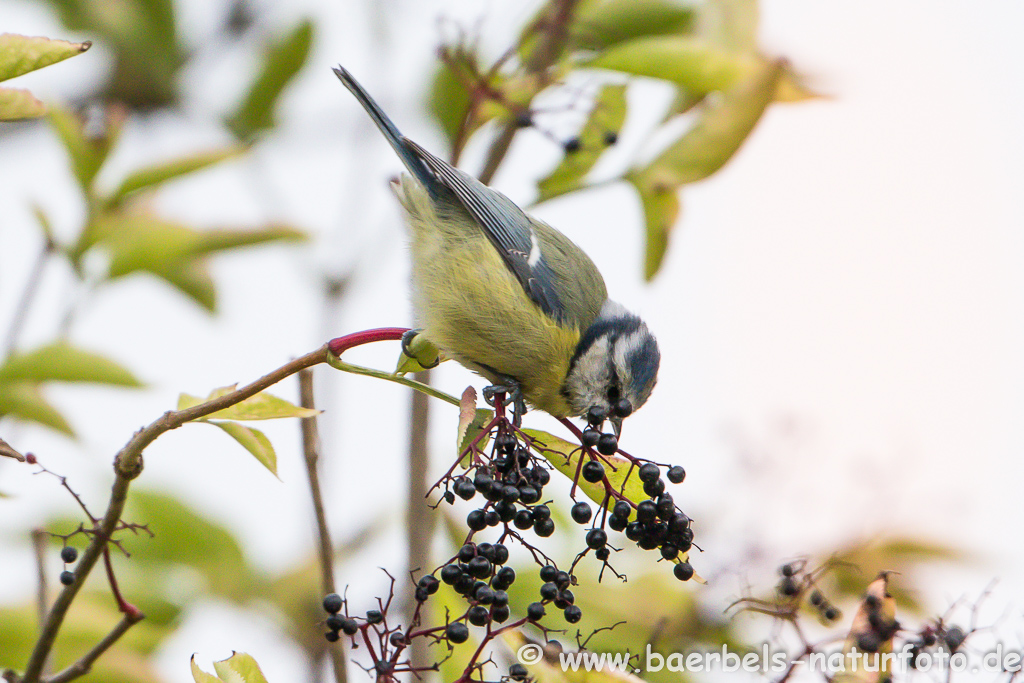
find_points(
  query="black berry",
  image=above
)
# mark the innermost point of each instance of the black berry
(535, 611)
(332, 603)
(69, 554)
(374, 616)
(581, 512)
(597, 538)
(608, 444)
(573, 614)
(649, 472)
(676, 474)
(593, 471)
(478, 615)
(457, 632)
(683, 571)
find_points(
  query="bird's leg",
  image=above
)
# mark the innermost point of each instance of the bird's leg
(514, 391)
(411, 339)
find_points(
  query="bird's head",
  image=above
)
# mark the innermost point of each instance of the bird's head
(615, 365)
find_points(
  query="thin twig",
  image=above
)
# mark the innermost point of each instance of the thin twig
(127, 466)
(27, 294)
(39, 539)
(311, 451)
(83, 665)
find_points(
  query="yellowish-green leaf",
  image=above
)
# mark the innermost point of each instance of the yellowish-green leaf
(701, 151)
(87, 152)
(565, 456)
(695, 64)
(731, 24)
(161, 173)
(471, 421)
(23, 401)
(201, 676)
(621, 475)
(192, 278)
(661, 210)
(284, 58)
(599, 24)
(253, 440)
(606, 117)
(222, 239)
(262, 406)
(17, 104)
(239, 668)
(185, 537)
(21, 54)
(449, 101)
(65, 363)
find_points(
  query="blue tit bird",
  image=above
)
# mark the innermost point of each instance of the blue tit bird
(510, 297)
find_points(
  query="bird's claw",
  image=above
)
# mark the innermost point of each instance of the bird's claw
(515, 395)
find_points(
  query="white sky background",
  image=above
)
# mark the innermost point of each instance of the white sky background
(839, 313)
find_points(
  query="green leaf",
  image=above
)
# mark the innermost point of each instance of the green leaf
(87, 152)
(449, 102)
(695, 64)
(253, 440)
(606, 116)
(262, 406)
(701, 151)
(283, 60)
(600, 24)
(65, 363)
(565, 456)
(239, 668)
(201, 676)
(660, 204)
(16, 104)
(23, 401)
(21, 54)
(222, 239)
(731, 24)
(174, 252)
(184, 536)
(161, 173)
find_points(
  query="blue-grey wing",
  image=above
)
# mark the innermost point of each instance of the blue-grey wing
(507, 227)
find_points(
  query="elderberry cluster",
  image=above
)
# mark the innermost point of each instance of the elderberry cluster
(478, 574)
(511, 484)
(655, 524)
(881, 628)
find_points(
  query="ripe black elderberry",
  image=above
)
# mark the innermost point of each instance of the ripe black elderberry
(648, 472)
(332, 603)
(683, 571)
(457, 632)
(581, 512)
(592, 471)
(68, 554)
(608, 444)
